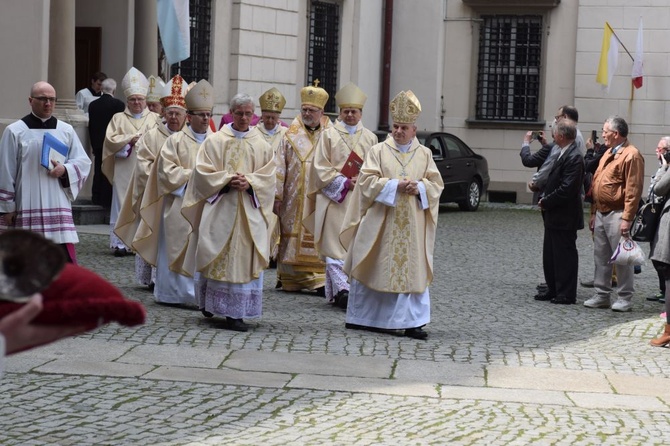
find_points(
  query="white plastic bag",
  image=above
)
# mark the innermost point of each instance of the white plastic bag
(628, 252)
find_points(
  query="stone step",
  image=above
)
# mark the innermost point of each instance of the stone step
(87, 213)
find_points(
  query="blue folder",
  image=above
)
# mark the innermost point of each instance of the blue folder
(51, 144)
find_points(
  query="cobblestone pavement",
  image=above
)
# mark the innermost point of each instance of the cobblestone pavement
(498, 367)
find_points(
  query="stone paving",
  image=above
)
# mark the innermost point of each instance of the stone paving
(498, 367)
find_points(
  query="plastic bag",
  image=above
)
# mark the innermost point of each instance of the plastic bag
(628, 252)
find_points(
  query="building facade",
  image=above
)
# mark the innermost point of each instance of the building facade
(485, 70)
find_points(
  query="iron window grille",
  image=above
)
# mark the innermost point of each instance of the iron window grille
(196, 67)
(508, 76)
(323, 50)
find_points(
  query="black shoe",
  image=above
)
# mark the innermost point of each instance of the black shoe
(272, 264)
(542, 287)
(121, 252)
(151, 286)
(416, 333)
(206, 313)
(563, 300)
(278, 285)
(355, 326)
(321, 291)
(341, 299)
(656, 297)
(236, 324)
(544, 296)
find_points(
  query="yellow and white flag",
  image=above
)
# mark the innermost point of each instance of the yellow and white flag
(609, 58)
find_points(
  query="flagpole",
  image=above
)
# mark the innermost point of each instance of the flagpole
(622, 45)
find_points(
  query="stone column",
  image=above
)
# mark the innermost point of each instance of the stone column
(61, 52)
(62, 75)
(145, 56)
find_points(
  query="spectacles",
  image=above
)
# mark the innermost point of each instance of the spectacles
(349, 112)
(310, 110)
(558, 117)
(239, 114)
(136, 99)
(173, 114)
(202, 115)
(45, 99)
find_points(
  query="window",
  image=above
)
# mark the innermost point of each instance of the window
(196, 67)
(323, 50)
(508, 77)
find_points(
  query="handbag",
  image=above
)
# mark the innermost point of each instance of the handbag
(646, 220)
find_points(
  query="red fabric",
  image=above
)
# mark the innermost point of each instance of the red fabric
(81, 297)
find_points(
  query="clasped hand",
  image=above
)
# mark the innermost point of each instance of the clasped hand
(408, 187)
(239, 182)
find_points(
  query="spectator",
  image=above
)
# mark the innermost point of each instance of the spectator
(100, 113)
(616, 190)
(660, 246)
(563, 215)
(85, 96)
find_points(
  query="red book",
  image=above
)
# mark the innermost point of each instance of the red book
(352, 165)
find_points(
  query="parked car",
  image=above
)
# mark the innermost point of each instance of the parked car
(465, 173)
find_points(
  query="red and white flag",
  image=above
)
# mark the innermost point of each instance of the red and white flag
(638, 74)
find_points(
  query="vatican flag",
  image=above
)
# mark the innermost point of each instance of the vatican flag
(609, 58)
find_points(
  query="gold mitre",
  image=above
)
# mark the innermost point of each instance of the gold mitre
(134, 82)
(174, 92)
(405, 108)
(272, 101)
(156, 86)
(314, 95)
(200, 97)
(350, 96)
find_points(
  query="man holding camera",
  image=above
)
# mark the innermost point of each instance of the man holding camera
(563, 215)
(545, 157)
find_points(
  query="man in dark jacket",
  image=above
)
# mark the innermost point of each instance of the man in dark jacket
(563, 214)
(100, 112)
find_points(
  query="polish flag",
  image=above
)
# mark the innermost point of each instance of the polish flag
(637, 61)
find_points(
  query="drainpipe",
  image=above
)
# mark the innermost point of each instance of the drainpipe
(385, 97)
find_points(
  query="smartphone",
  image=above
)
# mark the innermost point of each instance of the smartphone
(666, 155)
(536, 135)
(594, 136)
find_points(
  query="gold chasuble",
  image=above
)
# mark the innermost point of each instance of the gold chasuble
(170, 172)
(122, 128)
(274, 140)
(232, 227)
(147, 149)
(294, 165)
(325, 216)
(390, 249)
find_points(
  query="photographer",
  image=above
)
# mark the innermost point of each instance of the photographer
(545, 157)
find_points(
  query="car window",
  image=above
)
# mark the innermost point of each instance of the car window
(436, 146)
(454, 148)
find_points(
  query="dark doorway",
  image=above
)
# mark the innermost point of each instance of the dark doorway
(88, 44)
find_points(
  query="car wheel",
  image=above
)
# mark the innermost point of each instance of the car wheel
(471, 203)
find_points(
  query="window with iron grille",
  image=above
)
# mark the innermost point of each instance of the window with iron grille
(323, 51)
(508, 77)
(196, 67)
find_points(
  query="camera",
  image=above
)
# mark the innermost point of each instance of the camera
(536, 135)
